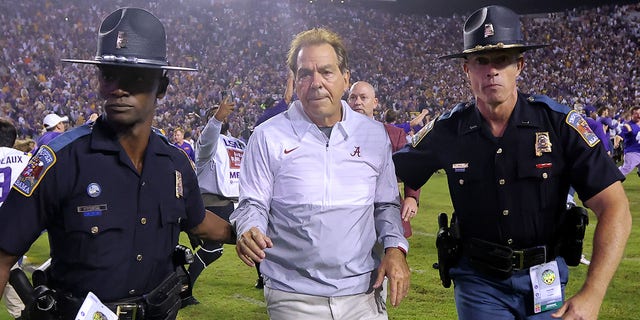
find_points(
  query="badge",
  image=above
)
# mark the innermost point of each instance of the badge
(179, 189)
(577, 122)
(121, 40)
(488, 30)
(415, 140)
(547, 289)
(543, 143)
(35, 170)
(94, 190)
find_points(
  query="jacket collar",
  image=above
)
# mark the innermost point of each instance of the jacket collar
(302, 124)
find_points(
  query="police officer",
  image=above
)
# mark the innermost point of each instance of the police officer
(509, 159)
(114, 194)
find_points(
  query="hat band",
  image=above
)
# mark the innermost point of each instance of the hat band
(499, 45)
(134, 60)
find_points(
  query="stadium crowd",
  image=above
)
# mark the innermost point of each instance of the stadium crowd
(239, 45)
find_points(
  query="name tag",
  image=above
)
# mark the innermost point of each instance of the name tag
(92, 211)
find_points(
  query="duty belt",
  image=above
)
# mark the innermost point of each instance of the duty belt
(527, 258)
(501, 261)
(129, 309)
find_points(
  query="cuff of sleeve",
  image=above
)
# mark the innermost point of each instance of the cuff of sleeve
(400, 246)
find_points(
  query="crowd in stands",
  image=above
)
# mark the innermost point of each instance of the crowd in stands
(240, 45)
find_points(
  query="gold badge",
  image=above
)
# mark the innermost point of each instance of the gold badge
(543, 143)
(179, 189)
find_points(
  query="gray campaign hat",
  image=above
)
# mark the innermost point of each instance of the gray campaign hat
(132, 37)
(492, 28)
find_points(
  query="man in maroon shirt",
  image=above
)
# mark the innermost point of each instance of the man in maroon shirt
(362, 98)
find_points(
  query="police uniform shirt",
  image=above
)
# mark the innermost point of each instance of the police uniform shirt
(510, 190)
(112, 231)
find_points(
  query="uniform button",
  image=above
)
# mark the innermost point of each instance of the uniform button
(499, 150)
(144, 183)
(505, 212)
(143, 220)
(461, 181)
(510, 241)
(544, 175)
(94, 229)
(501, 181)
(132, 291)
(139, 257)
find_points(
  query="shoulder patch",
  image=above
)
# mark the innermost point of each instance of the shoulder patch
(35, 170)
(415, 140)
(578, 123)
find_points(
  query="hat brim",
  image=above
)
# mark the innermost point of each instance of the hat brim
(132, 65)
(521, 48)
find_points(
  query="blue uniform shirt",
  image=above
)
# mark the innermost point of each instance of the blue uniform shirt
(112, 231)
(510, 190)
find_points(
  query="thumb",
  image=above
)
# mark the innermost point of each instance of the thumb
(379, 278)
(560, 312)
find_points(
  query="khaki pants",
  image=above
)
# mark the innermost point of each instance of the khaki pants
(283, 305)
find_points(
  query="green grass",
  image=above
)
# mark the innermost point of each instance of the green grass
(226, 290)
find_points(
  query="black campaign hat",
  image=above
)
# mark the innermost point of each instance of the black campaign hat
(492, 28)
(132, 37)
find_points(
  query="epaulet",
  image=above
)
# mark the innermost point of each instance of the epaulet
(457, 108)
(415, 140)
(45, 158)
(68, 137)
(571, 117)
(552, 104)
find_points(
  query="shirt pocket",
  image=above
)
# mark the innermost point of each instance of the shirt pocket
(172, 214)
(465, 182)
(539, 181)
(96, 240)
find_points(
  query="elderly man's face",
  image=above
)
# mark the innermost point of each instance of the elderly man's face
(320, 84)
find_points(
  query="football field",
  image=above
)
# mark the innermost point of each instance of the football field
(225, 289)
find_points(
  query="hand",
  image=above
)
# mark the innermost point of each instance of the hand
(93, 117)
(581, 306)
(250, 246)
(409, 208)
(226, 108)
(394, 266)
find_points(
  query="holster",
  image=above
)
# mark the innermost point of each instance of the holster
(163, 302)
(573, 224)
(448, 245)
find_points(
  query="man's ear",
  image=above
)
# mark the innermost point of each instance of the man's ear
(162, 86)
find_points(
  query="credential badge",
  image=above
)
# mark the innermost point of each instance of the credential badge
(543, 143)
